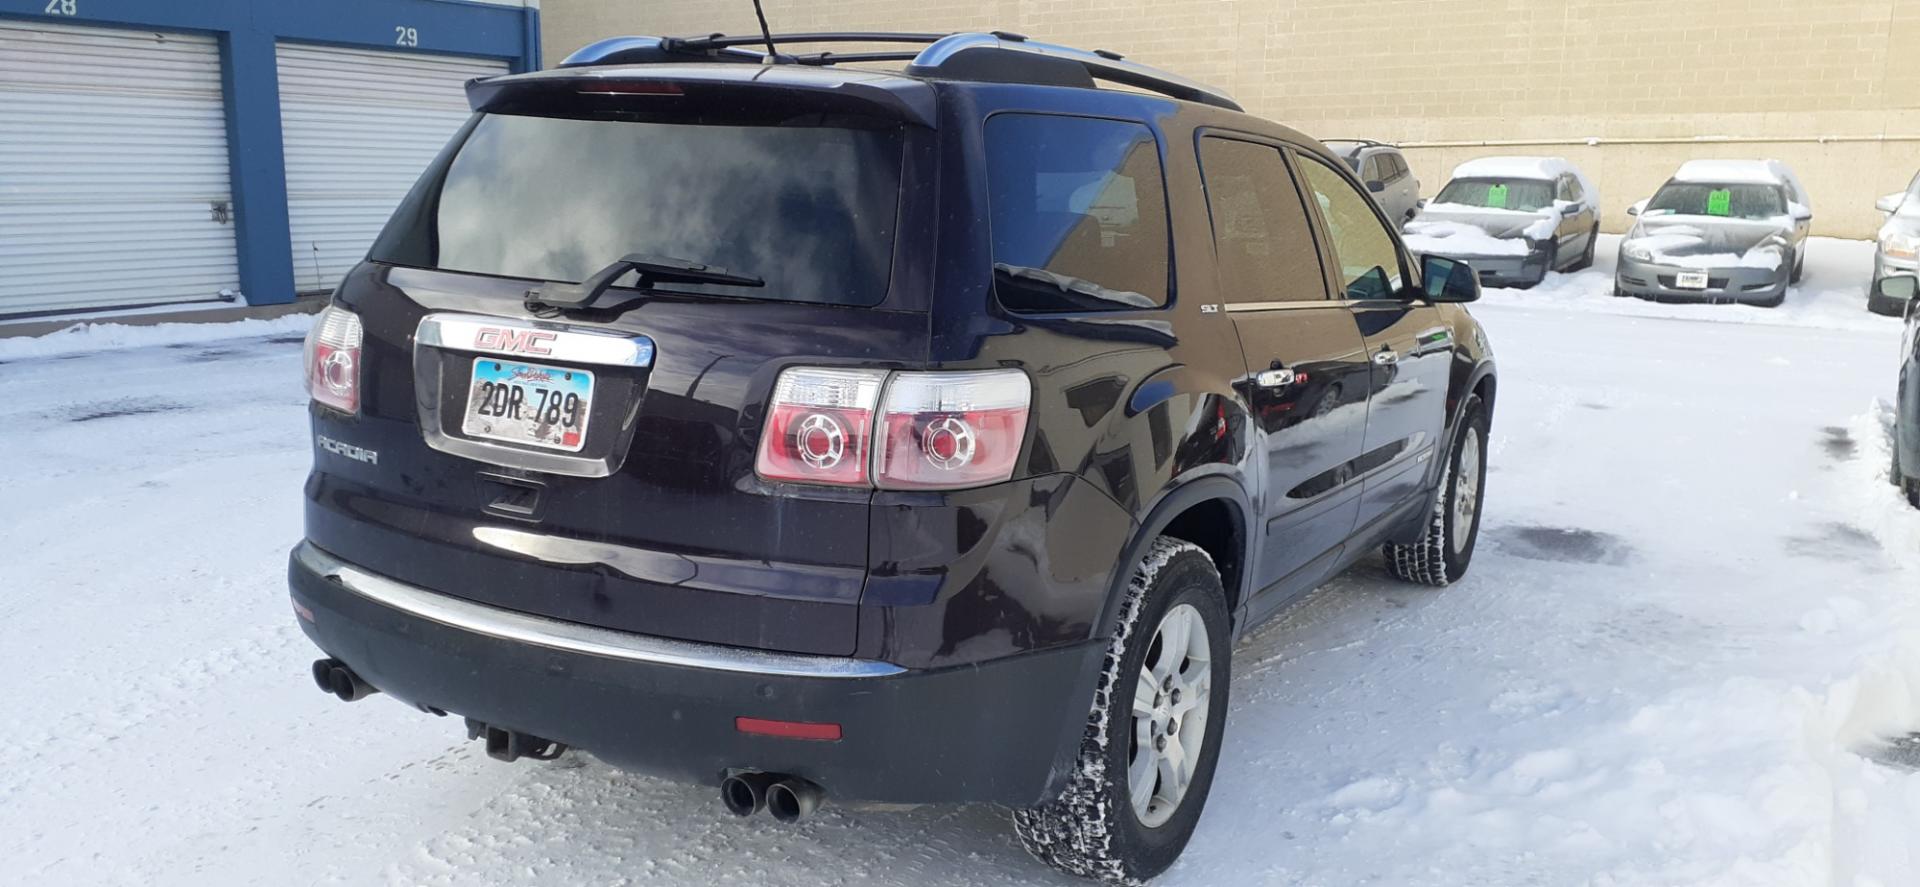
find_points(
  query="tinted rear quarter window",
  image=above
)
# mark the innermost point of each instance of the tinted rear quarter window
(1078, 214)
(1261, 232)
(811, 209)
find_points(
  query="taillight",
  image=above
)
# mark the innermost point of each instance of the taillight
(333, 359)
(818, 426)
(929, 431)
(948, 430)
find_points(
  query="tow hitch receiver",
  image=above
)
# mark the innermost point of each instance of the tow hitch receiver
(511, 745)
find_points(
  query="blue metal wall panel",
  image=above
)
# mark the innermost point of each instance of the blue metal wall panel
(248, 30)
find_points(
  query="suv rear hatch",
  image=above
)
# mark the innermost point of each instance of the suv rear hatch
(597, 465)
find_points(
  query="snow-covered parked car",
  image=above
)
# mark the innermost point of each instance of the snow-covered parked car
(1899, 245)
(1512, 218)
(1718, 231)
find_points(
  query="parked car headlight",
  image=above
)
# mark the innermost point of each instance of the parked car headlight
(1900, 246)
(1637, 252)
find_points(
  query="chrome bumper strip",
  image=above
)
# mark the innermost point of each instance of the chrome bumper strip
(574, 637)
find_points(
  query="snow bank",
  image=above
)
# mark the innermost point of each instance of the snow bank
(1459, 239)
(1856, 722)
(107, 336)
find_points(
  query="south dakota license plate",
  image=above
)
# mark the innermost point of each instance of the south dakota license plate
(529, 403)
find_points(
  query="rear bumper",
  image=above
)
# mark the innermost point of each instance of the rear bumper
(1004, 731)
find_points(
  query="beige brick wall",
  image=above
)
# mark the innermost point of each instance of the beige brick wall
(1628, 89)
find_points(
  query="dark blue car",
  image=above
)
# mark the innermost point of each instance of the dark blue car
(912, 425)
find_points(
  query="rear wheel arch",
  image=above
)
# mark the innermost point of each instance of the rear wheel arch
(1213, 513)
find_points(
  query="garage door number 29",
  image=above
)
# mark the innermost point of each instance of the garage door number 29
(402, 35)
(63, 7)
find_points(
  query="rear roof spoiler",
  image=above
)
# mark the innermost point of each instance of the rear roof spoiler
(847, 90)
(999, 57)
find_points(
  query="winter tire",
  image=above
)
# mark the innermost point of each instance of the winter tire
(1144, 772)
(1445, 549)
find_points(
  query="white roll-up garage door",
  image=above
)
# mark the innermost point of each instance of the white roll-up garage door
(113, 169)
(359, 127)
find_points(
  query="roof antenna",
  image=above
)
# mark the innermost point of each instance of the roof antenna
(773, 56)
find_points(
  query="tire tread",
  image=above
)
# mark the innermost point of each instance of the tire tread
(1075, 831)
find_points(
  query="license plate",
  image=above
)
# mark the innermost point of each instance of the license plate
(528, 403)
(1690, 280)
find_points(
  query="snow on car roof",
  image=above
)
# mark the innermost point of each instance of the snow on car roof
(1754, 172)
(1543, 168)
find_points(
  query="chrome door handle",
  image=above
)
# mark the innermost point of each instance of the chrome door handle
(1386, 358)
(1279, 378)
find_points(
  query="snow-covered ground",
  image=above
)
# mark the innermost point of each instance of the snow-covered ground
(1692, 627)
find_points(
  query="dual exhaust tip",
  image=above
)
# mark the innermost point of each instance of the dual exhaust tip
(788, 798)
(333, 676)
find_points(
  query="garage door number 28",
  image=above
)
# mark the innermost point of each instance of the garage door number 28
(63, 7)
(403, 35)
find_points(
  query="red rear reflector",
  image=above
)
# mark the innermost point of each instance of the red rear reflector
(788, 729)
(617, 87)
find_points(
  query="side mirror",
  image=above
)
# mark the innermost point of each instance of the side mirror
(1899, 287)
(1637, 208)
(1448, 280)
(1376, 186)
(1421, 203)
(1801, 212)
(1569, 208)
(1891, 202)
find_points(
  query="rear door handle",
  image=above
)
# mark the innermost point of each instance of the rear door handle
(1386, 358)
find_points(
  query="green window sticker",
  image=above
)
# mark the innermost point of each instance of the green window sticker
(1719, 202)
(1497, 196)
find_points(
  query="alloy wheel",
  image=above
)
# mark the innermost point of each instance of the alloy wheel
(1466, 489)
(1170, 702)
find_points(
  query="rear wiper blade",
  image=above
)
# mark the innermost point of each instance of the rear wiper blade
(653, 270)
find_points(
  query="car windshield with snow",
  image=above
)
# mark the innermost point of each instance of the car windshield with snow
(1718, 231)
(1514, 219)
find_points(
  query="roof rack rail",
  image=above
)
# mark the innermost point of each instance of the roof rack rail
(999, 56)
(1371, 143)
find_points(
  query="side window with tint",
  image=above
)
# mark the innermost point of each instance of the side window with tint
(1260, 228)
(1078, 214)
(1390, 167)
(1369, 261)
(1371, 172)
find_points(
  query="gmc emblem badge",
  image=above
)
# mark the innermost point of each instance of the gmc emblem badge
(514, 341)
